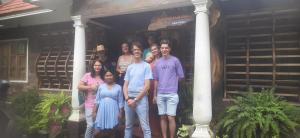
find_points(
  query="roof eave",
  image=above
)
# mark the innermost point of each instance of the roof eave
(25, 13)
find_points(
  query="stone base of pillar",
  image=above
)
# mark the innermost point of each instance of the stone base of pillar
(77, 114)
(202, 131)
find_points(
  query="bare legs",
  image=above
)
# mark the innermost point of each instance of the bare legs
(172, 126)
(166, 120)
(164, 125)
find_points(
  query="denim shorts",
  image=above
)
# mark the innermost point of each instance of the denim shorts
(167, 103)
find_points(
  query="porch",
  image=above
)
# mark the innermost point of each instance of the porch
(252, 44)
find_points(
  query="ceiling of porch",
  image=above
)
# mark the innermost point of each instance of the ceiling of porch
(104, 8)
(140, 21)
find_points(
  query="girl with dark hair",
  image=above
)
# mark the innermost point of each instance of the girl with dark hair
(89, 84)
(109, 105)
(123, 62)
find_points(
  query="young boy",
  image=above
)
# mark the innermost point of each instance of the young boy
(168, 71)
(136, 86)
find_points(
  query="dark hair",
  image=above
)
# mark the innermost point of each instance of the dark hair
(127, 45)
(166, 41)
(137, 44)
(93, 72)
(152, 38)
(102, 74)
(100, 43)
(154, 44)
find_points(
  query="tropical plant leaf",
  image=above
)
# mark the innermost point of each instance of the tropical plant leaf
(259, 114)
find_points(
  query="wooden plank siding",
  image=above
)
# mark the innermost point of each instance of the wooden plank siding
(263, 51)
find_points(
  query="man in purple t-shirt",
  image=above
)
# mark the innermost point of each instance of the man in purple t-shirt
(167, 72)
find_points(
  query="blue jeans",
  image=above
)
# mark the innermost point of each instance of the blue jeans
(89, 123)
(142, 111)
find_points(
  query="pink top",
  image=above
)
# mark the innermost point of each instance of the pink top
(90, 96)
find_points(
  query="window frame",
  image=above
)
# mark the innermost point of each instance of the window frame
(27, 52)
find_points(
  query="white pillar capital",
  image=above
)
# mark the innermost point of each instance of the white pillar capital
(79, 21)
(201, 5)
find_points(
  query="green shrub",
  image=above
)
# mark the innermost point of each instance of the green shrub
(259, 115)
(23, 106)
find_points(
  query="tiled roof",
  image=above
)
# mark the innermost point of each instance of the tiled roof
(15, 6)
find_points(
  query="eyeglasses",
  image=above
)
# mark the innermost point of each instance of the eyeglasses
(97, 65)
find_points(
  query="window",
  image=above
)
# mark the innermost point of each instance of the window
(14, 60)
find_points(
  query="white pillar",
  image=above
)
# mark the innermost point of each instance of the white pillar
(202, 108)
(78, 66)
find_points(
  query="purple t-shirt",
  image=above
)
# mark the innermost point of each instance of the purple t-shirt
(168, 72)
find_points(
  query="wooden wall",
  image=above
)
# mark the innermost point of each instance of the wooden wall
(263, 52)
(32, 33)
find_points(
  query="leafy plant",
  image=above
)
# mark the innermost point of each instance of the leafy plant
(23, 106)
(185, 130)
(185, 105)
(52, 110)
(259, 115)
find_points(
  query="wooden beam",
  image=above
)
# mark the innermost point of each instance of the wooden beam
(99, 24)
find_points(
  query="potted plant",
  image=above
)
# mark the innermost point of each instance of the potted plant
(53, 112)
(259, 114)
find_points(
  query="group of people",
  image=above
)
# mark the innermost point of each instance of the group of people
(153, 71)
